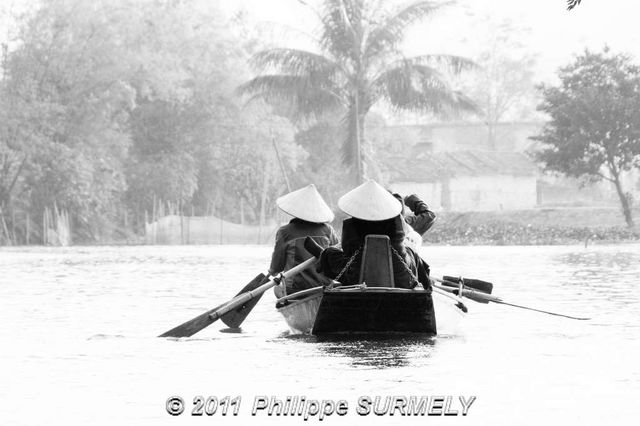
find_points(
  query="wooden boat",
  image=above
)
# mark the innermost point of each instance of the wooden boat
(375, 306)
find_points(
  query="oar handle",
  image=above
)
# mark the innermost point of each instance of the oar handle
(471, 283)
(245, 297)
(466, 291)
(471, 294)
(313, 247)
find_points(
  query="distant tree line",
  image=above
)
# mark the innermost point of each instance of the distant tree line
(108, 109)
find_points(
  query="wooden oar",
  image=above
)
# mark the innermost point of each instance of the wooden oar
(236, 317)
(454, 287)
(483, 297)
(474, 284)
(191, 327)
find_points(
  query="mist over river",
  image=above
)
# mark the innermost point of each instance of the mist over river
(78, 345)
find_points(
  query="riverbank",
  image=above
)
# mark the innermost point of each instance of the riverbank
(544, 226)
(547, 226)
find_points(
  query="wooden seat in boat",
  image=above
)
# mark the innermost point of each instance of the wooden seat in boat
(376, 269)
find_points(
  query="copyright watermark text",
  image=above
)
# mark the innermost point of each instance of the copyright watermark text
(309, 408)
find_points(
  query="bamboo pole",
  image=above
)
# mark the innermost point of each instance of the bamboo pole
(27, 229)
(221, 226)
(181, 223)
(188, 232)
(13, 226)
(263, 198)
(282, 169)
(242, 219)
(4, 227)
(44, 227)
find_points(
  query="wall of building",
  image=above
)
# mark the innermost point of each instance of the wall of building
(493, 193)
(444, 137)
(475, 193)
(413, 140)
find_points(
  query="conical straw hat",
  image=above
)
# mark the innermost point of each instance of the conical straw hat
(370, 201)
(306, 204)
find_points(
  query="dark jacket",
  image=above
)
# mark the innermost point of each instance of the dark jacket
(354, 231)
(423, 218)
(289, 251)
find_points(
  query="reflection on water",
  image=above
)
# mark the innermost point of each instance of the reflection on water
(600, 260)
(602, 275)
(375, 351)
(598, 266)
(79, 325)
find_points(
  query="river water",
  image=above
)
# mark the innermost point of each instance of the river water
(77, 343)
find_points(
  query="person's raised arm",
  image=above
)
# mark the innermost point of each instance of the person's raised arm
(423, 218)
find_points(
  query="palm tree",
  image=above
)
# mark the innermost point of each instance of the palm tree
(572, 3)
(358, 64)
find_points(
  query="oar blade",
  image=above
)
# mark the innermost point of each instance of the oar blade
(232, 319)
(236, 317)
(192, 326)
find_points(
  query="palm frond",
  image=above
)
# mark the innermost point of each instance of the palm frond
(295, 62)
(301, 93)
(391, 32)
(420, 88)
(451, 63)
(572, 3)
(342, 29)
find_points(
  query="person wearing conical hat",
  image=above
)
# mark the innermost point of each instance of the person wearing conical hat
(373, 210)
(310, 218)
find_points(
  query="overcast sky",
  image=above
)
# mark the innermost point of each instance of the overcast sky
(555, 34)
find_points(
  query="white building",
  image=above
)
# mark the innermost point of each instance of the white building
(467, 180)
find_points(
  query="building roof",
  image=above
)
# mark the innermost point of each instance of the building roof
(454, 124)
(431, 167)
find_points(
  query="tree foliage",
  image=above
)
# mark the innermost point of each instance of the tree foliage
(594, 129)
(66, 113)
(106, 108)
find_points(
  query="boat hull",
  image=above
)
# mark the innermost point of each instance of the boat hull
(300, 315)
(368, 310)
(375, 312)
